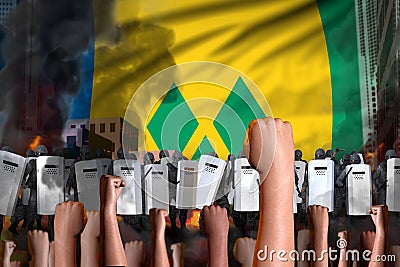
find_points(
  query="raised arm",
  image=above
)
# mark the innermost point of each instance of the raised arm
(276, 190)
(111, 248)
(159, 256)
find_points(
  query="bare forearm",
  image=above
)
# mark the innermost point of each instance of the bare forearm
(302, 262)
(321, 247)
(159, 256)
(134, 263)
(112, 249)
(64, 251)
(279, 236)
(177, 258)
(51, 255)
(89, 250)
(6, 262)
(217, 251)
(379, 249)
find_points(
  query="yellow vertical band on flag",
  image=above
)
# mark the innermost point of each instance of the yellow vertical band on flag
(280, 45)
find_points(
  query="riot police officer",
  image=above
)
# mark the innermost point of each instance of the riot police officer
(340, 188)
(8, 149)
(131, 156)
(241, 218)
(120, 155)
(173, 183)
(298, 155)
(31, 172)
(329, 154)
(340, 182)
(319, 154)
(148, 158)
(301, 207)
(21, 210)
(85, 153)
(380, 177)
(132, 220)
(162, 154)
(100, 153)
(225, 185)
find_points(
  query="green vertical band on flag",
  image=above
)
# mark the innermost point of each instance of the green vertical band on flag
(339, 22)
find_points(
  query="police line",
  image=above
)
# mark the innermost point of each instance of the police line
(198, 183)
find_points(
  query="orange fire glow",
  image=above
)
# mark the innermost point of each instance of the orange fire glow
(370, 155)
(193, 219)
(35, 142)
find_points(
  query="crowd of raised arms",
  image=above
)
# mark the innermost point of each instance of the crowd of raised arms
(277, 242)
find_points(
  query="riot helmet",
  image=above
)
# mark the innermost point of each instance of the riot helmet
(8, 149)
(131, 156)
(163, 154)
(120, 153)
(320, 153)
(355, 159)
(298, 154)
(85, 152)
(346, 159)
(30, 153)
(241, 154)
(329, 154)
(390, 154)
(148, 158)
(213, 154)
(41, 150)
(100, 153)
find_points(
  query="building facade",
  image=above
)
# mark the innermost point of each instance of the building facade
(113, 129)
(116, 130)
(388, 34)
(366, 11)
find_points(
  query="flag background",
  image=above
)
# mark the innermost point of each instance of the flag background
(301, 54)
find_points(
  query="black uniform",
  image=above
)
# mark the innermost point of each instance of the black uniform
(340, 187)
(173, 180)
(32, 206)
(380, 178)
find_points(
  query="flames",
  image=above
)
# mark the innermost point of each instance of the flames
(193, 219)
(370, 156)
(35, 142)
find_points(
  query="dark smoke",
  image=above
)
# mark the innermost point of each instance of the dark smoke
(44, 55)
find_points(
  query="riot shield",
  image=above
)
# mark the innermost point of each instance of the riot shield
(130, 199)
(186, 194)
(11, 172)
(105, 162)
(156, 187)
(359, 199)
(301, 171)
(246, 196)
(88, 173)
(211, 170)
(393, 184)
(50, 183)
(321, 183)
